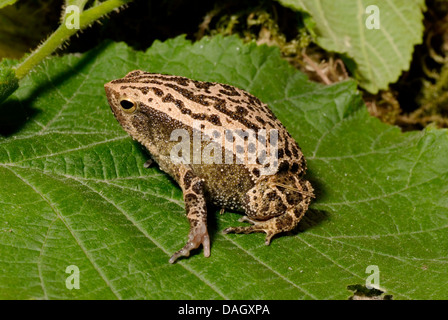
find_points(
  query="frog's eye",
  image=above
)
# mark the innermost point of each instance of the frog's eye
(128, 105)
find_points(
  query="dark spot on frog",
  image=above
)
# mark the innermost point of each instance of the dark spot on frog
(144, 90)
(241, 110)
(280, 189)
(256, 172)
(187, 179)
(284, 223)
(280, 153)
(259, 119)
(229, 90)
(198, 116)
(295, 151)
(168, 98)
(203, 85)
(284, 166)
(293, 197)
(157, 91)
(193, 222)
(180, 80)
(191, 198)
(288, 152)
(280, 207)
(271, 195)
(297, 212)
(197, 187)
(248, 106)
(215, 120)
(294, 167)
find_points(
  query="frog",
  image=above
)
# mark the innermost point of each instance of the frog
(272, 197)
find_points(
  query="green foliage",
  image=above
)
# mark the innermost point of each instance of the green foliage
(74, 190)
(380, 54)
(4, 3)
(24, 25)
(8, 80)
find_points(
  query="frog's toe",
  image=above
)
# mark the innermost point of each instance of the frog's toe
(257, 226)
(269, 235)
(194, 241)
(249, 229)
(148, 164)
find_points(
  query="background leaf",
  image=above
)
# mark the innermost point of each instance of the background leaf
(4, 3)
(74, 191)
(24, 25)
(8, 80)
(380, 54)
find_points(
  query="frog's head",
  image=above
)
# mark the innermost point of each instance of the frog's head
(127, 98)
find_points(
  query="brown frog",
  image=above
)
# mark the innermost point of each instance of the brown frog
(274, 196)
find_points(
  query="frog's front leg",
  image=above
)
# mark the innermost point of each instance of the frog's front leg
(196, 210)
(149, 163)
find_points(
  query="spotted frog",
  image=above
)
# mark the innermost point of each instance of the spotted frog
(150, 107)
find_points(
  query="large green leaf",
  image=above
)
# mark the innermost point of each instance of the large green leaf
(74, 190)
(380, 54)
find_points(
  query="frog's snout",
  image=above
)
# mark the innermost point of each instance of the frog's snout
(108, 89)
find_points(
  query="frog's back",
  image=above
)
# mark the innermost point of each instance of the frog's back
(214, 107)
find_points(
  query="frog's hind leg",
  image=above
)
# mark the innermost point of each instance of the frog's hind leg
(286, 222)
(278, 222)
(196, 209)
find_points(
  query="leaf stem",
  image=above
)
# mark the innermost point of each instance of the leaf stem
(63, 33)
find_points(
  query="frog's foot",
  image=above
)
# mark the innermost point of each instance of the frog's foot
(267, 227)
(196, 237)
(283, 223)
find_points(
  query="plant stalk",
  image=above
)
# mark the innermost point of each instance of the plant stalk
(62, 34)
